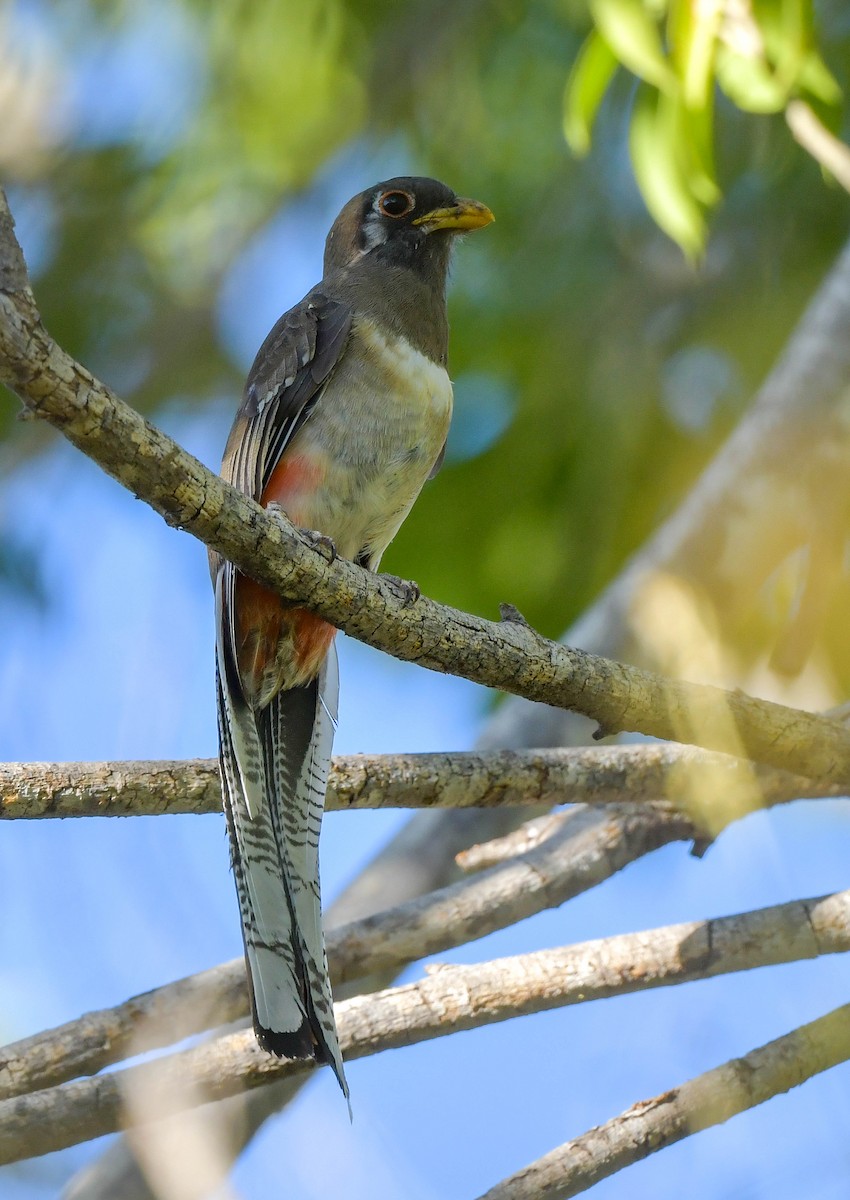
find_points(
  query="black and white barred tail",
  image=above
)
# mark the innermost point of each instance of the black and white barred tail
(274, 771)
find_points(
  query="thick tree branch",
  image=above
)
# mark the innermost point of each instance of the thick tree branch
(450, 999)
(587, 775)
(508, 655)
(707, 1100)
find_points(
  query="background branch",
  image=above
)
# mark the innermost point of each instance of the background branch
(707, 1100)
(783, 475)
(824, 147)
(570, 862)
(451, 998)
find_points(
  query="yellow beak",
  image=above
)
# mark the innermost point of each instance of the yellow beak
(466, 214)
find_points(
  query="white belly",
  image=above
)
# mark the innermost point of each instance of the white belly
(381, 426)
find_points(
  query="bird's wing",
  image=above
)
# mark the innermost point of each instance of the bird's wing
(287, 379)
(288, 376)
(435, 470)
(275, 758)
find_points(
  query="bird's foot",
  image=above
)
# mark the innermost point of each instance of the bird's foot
(276, 510)
(406, 590)
(322, 544)
(509, 612)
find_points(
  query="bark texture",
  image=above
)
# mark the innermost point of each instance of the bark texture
(588, 775)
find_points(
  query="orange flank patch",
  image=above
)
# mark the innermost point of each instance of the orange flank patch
(312, 637)
(278, 646)
(291, 484)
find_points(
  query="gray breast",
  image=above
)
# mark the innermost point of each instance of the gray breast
(382, 423)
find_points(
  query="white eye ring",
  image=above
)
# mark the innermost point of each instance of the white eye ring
(394, 195)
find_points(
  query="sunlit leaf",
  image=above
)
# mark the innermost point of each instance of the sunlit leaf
(695, 145)
(776, 60)
(783, 26)
(634, 37)
(657, 160)
(692, 30)
(816, 79)
(749, 82)
(587, 83)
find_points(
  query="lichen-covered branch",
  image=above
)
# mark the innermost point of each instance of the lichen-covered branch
(587, 775)
(454, 998)
(707, 1100)
(508, 655)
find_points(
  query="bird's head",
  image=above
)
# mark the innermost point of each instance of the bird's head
(408, 221)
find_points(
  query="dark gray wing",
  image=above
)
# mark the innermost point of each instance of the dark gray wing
(289, 373)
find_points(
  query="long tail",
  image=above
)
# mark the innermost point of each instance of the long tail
(274, 769)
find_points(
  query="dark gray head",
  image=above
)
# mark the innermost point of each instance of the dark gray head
(407, 222)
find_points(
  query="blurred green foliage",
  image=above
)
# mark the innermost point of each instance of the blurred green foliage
(761, 54)
(617, 367)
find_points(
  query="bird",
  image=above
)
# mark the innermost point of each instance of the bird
(343, 418)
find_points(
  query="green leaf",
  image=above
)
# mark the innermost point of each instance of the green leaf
(817, 79)
(784, 28)
(749, 82)
(692, 32)
(634, 37)
(695, 145)
(656, 152)
(782, 61)
(587, 83)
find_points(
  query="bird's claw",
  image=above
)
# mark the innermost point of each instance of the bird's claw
(322, 544)
(407, 591)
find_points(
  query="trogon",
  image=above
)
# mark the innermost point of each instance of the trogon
(344, 417)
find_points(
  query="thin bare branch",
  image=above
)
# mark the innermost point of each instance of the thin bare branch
(574, 851)
(578, 858)
(707, 1100)
(587, 775)
(482, 855)
(450, 999)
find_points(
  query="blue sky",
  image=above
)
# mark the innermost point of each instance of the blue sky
(119, 665)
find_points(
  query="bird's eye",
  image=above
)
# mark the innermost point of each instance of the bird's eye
(396, 204)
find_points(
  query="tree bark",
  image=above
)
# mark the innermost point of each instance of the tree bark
(596, 775)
